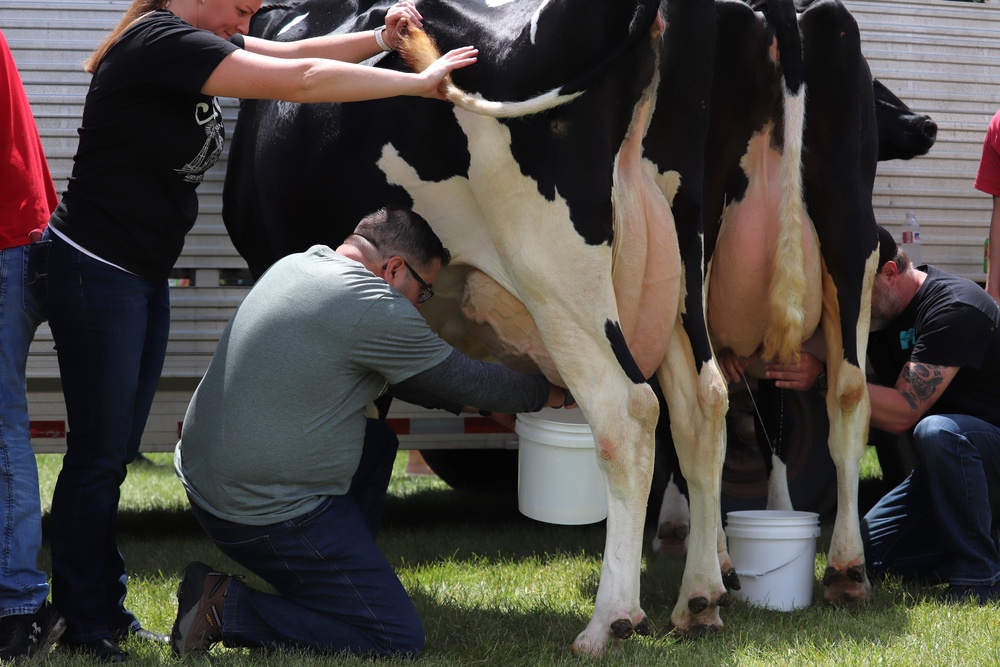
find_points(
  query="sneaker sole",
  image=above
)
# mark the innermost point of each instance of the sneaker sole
(57, 630)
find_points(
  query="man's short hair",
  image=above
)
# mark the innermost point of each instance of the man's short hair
(404, 233)
(888, 251)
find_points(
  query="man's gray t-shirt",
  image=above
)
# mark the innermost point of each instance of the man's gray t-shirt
(257, 448)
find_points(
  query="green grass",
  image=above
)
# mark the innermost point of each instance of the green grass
(495, 588)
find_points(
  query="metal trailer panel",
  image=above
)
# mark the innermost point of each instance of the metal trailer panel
(941, 57)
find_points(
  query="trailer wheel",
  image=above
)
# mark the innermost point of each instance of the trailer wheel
(493, 469)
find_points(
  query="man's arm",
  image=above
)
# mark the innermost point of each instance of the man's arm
(459, 381)
(918, 387)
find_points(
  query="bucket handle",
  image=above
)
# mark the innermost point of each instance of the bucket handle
(747, 573)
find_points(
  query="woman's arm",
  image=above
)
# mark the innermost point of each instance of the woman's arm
(353, 47)
(254, 76)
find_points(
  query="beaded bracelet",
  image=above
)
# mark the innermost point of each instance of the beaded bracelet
(380, 40)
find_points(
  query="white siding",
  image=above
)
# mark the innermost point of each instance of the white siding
(942, 58)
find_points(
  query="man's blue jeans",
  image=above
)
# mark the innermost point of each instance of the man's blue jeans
(110, 329)
(23, 587)
(939, 524)
(336, 591)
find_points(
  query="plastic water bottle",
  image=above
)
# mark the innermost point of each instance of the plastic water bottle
(911, 239)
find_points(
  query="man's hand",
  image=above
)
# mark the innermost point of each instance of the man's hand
(801, 376)
(559, 398)
(732, 366)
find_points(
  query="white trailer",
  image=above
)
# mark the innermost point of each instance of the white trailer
(941, 57)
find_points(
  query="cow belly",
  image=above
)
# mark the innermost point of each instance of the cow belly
(744, 256)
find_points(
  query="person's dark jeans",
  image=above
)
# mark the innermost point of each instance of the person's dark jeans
(110, 330)
(938, 524)
(336, 591)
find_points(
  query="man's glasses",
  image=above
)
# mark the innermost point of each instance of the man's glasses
(426, 292)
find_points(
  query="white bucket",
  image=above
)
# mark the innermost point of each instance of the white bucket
(558, 479)
(774, 553)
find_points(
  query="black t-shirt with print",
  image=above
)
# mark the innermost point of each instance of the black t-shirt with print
(950, 321)
(148, 136)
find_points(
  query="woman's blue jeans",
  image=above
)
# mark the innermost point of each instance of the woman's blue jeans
(23, 587)
(336, 591)
(110, 330)
(939, 525)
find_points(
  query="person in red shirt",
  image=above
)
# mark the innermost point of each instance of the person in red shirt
(28, 623)
(988, 181)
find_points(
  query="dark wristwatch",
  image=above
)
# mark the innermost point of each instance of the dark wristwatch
(820, 383)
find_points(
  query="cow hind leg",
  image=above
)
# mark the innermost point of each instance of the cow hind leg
(625, 454)
(674, 523)
(849, 411)
(698, 401)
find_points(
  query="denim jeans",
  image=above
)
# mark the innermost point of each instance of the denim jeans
(23, 587)
(110, 329)
(938, 525)
(336, 591)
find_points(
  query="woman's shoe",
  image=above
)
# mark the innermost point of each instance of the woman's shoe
(103, 650)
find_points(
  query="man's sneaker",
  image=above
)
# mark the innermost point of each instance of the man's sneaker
(199, 609)
(25, 636)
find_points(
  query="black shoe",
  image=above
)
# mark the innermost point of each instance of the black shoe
(103, 650)
(143, 635)
(27, 635)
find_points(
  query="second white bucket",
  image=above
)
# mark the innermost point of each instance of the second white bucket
(774, 553)
(558, 479)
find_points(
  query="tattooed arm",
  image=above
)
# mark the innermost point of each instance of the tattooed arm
(897, 409)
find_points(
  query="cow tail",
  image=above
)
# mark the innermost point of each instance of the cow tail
(419, 50)
(783, 338)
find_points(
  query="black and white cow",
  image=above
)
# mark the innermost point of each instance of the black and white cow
(788, 259)
(902, 135)
(564, 242)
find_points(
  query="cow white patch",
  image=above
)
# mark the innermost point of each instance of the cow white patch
(534, 19)
(294, 22)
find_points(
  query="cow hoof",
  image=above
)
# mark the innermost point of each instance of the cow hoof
(731, 580)
(693, 632)
(644, 628)
(622, 628)
(697, 605)
(671, 539)
(846, 586)
(725, 600)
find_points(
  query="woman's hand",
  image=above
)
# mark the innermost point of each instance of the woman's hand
(399, 16)
(434, 76)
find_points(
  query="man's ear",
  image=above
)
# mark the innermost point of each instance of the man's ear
(393, 265)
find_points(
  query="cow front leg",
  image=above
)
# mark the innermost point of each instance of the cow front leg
(698, 401)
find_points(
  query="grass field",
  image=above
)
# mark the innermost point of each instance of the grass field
(496, 588)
